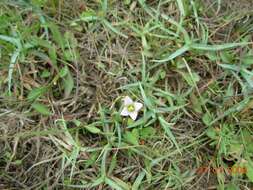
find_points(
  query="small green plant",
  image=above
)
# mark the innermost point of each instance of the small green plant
(232, 145)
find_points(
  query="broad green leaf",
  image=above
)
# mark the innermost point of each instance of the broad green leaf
(147, 132)
(41, 108)
(77, 122)
(92, 129)
(64, 71)
(211, 133)
(235, 148)
(132, 137)
(207, 119)
(36, 93)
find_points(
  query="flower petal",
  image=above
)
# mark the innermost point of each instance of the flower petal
(137, 106)
(124, 112)
(127, 100)
(133, 115)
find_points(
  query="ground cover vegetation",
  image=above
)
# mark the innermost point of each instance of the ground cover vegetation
(66, 68)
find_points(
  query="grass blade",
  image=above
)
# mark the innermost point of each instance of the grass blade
(207, 47)
(172, 56)
(113, 29)
(166, 126)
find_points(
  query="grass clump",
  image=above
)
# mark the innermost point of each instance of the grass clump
(67, 65)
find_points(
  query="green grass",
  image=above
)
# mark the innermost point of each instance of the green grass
(66, 66)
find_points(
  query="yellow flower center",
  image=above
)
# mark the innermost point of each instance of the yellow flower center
(130, 108)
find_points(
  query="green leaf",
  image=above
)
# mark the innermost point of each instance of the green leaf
(45, 74)
(88, 16)
(70, 53)
(173, 55)
(249, 172)
(53, 57)
(138, 181)
(218, 47)
(247, 60)
(15, 41)
(232, 186)
(147, 132)
(132, 137)
(93, 129)
(211, 133)
(36, 93)
(113, 29)
(196, 103)
(41, 108)
(230, 67)
(113, 184)
(247, 75)
(166, 126)
(77, 122)
(57, 37)
(113, 164)
(247, 140)
(212, 56)
(207, 119)
(191, 79)
(64, 71)
(226, 57)
(181, 7)
(121, 183)
(68, 83)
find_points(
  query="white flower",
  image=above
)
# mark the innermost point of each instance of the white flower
(131, 108)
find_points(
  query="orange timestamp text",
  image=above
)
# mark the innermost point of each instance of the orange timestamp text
(217, 170)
